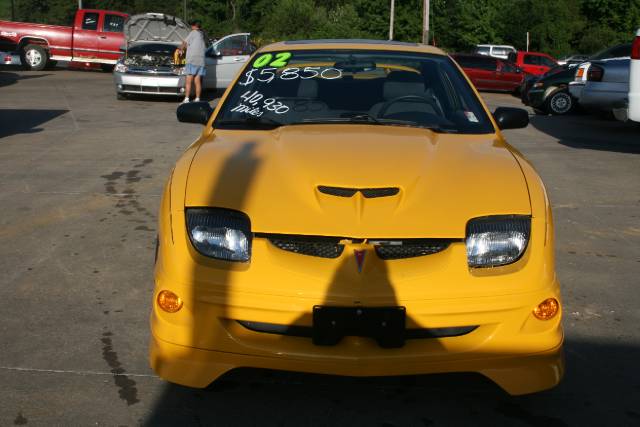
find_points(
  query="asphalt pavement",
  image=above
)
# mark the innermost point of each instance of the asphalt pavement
(80, 181)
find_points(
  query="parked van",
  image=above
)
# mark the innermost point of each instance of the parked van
(496, 50)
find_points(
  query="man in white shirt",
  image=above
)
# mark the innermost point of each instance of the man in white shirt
(194, 64)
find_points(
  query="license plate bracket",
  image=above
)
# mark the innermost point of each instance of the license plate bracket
(386, 325)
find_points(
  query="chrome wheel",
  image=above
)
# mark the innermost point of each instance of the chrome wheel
(34, 58)
(560, 103)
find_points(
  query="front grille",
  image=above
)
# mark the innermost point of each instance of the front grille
(307, 331)
(330, 247)
(323, 247)
(369, 193)
(151, 89)
(389, 250)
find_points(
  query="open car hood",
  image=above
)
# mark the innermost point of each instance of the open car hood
(155, 27)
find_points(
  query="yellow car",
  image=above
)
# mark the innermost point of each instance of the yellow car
(352, 208)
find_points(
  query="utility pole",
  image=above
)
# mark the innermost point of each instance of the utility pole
(393, 7)
(184, 8)
(79, 4)
(425, 22)
(13, 10)
(527, 41)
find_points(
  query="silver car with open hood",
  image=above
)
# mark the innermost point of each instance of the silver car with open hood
(148, 65)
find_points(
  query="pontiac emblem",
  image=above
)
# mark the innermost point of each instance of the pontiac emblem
(359, 258)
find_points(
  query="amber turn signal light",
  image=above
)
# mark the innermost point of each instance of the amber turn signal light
(169, 302)
(547, 309)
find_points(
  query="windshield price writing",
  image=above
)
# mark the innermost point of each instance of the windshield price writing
(267, 75)
(255, 105)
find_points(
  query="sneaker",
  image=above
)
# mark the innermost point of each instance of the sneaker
(186, 100)
(196, 100)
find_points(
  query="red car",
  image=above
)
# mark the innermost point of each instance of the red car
(536, 63)
(96, 37)
(488, 73)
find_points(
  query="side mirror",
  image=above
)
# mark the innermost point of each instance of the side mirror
(194, 112)
(511, 118)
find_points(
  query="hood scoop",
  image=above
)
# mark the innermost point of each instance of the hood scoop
(369, 193)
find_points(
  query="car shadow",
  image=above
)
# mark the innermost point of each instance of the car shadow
(590, 133)
(25, 121)
(601, 386)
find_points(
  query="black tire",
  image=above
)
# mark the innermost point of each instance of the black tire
(34, 57)
(51, 64)
(121, 96)
(560, 103)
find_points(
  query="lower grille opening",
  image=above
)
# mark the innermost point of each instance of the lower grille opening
(307, 331)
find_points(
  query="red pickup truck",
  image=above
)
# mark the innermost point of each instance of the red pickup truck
(96, 37)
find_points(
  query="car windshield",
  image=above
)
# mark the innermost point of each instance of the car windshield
(353, 86)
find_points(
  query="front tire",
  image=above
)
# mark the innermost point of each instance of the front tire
(34, 57)
(560, 103)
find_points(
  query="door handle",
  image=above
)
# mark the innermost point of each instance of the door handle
(103, 37)
(238, 59)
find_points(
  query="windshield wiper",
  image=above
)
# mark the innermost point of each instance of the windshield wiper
(355, 118)
(252, 122)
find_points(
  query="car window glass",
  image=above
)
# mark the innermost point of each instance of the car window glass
(353, 86)
(508, 68)
(500, 51)
(487, 64)
(531, 60)
(90, 21)
(234, 45)
(113, 23)
(483, 50)
(547, 61)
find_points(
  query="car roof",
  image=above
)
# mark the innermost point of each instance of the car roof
(329, 44)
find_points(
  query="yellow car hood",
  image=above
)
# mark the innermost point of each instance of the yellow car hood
(273, 176)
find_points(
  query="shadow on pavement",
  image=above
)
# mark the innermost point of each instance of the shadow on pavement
(601, 386)
(7, 78)
(591, 133)
(25, 121)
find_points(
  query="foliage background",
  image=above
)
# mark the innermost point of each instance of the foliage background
(558, 27)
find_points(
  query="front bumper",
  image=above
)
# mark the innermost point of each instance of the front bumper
(149, 84)
(204, 340)
(197, 368)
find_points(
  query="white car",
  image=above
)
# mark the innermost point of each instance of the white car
(148, 65)
(634, 80)
(495, 50)
(616, 52)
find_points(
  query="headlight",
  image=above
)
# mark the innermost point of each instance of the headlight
(497, 240)
(178, 71)
(220, 233)
(120, 68)
(538, 84)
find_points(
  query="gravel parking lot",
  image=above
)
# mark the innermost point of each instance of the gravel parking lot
(80, 181)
